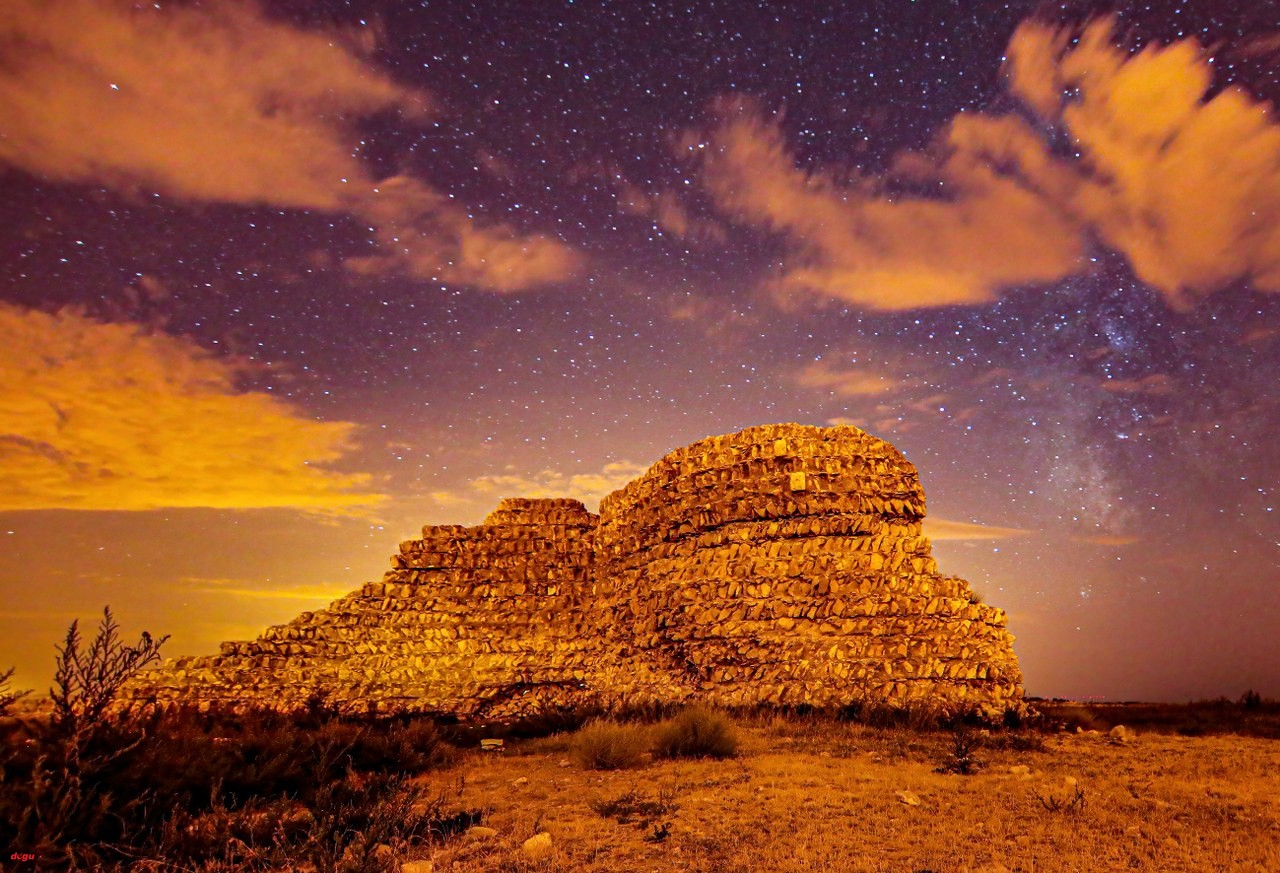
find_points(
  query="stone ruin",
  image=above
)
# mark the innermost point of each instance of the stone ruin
(783, 565)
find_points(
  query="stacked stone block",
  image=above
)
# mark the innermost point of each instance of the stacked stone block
(781, 565)
(471, 622)
(786, 565)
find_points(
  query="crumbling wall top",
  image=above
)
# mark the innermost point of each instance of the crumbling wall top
(540, 511)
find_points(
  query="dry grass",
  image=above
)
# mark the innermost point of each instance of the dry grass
(815, 795)
(696, 733)
(610, 745)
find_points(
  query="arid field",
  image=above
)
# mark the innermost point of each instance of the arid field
(829, 796)
(1191, 788)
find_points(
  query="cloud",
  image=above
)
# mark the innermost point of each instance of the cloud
(1259, 336)
(421, 234)
(217, 103)
(864, 242)
(1185, 185)
(1263, 46)
(244, 589)
(221, 103)
(846, 382)
(1108, 540)
(667, 212)
(1157, 384)
(100, 415)
(590, 488)
(944, 529)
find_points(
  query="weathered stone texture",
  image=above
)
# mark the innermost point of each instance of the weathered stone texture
(783, 564)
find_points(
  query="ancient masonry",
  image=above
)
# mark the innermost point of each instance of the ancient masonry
(784, 565)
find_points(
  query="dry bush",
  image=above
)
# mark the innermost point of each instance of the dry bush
(610, 745)
(635, 807)
(63, 793)
(98, 788)
(696, 733)
(916, 717)
(961, 759)
(8, 696)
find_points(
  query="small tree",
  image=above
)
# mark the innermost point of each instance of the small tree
(8, 696)
(88, 681)
(69, 805)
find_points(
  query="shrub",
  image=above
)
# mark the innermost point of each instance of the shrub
(608, 745)
(917, 716)
(1015, 741)
(634, 807)
(406, 747)
(103, 788)
(697, 733)
(8, 696)
(960, 760)
(88, 680)
(67, 795)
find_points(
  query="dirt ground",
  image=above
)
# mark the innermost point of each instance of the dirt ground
(832, 796)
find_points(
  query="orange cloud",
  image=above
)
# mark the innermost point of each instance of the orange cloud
(667, 212)
(483, 492)
(210, 103)
(863, 242)
(246, 589)
(847, 382)
(1159, 384)
(1185, 185)
(590, 488)
(943, 529)
(109, 416)
(221, 103)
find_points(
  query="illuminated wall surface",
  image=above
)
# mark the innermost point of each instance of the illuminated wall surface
(780, 565)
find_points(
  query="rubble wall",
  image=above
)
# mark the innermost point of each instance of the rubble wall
(470, 621)
(783, 564)
(787, 565)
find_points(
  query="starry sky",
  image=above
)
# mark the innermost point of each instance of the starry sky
(281, 282)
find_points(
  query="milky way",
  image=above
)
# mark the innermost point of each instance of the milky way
(283, 282)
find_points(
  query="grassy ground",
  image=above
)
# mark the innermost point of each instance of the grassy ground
(825, 796)
(1194, 790)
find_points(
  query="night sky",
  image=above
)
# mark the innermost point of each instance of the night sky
(282, 282)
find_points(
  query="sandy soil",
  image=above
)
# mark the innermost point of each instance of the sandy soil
(826, 796)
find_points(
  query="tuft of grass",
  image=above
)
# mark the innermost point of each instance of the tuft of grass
(609, 745)
(697, 733)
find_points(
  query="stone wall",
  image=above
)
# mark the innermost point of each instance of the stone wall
(786, 565)
(783, 565)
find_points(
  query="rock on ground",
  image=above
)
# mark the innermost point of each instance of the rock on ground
(538, 845)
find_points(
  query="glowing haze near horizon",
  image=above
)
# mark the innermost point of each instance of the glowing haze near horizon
(282, 282)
